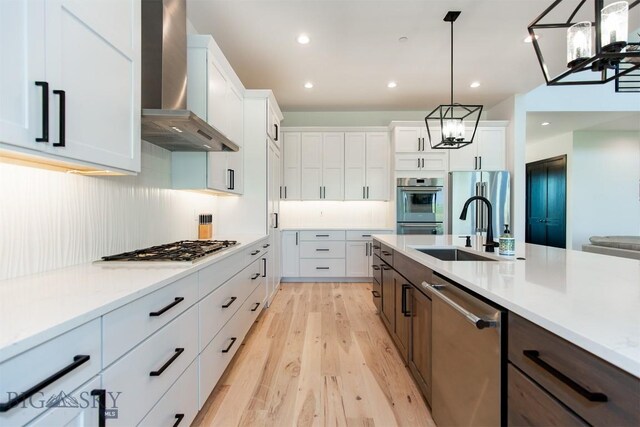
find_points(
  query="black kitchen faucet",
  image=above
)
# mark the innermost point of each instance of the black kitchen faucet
(490, 244)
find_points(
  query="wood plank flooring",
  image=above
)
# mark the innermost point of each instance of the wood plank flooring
(319, 356)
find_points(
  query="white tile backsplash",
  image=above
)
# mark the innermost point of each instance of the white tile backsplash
(336, 214)
(50, 220)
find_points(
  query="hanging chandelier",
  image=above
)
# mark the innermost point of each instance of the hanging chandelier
(598, 47)
(446, 125)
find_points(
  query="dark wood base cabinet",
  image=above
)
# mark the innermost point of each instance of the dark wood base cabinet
(420, 348)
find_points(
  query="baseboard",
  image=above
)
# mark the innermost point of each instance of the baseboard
(326, 279)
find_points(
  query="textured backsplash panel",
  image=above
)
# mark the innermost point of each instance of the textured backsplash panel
(50, 220)
(336, 214)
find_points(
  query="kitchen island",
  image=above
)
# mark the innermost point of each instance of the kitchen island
(569, 332)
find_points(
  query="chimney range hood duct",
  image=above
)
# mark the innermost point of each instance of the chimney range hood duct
(166, 122)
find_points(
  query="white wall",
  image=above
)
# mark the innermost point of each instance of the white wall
(335, 214)
(605, 197)
(50, 220)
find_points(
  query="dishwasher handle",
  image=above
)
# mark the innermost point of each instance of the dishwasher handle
(479, 322)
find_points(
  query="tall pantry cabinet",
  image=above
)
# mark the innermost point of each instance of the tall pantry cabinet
(70, 81)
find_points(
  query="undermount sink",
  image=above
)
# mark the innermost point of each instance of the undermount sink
(452, 254)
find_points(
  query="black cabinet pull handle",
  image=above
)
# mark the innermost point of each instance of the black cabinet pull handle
(367, 192)
(264, 265)
(386, 268)
(385, 253)
(265, 246)
(167, 364)
(102, 406)
(364, 192)
(163, 310)
(376, 247)
(322, 268)
(45, 112)
(322, 250)
(77, 361)
(480, 160)
(297, 236)
(255, 276)
(366, 235)
(178, 418)
(276, 138)
(233, 341)
(256, 252)
(63, 117)
(227, 305)
(256, 307)
(375, 267)
(233, 179)
(322, 235)
(277, 220)
(229, 187)
(285, 191)
(376, 294)
(405, 310)
(534, 355)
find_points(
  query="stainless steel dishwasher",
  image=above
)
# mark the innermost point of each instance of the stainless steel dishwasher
(466, 359)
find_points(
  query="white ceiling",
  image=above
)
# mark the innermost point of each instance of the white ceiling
(354, 50)
(579, 121)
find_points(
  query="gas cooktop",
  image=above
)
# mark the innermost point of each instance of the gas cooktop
(184, 250)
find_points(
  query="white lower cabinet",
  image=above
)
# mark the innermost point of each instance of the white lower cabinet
(358, 264)
(179, 405)
(78, 409)
(290, 254)
(147, 372)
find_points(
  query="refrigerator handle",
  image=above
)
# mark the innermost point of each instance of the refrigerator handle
(485, 218)
(478, 225)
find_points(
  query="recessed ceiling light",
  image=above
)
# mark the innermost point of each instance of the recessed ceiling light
(391, 85)
(475, 84)
(545, 124)
(403, 39)
(303, 39)
(528, 39)
(308, 85)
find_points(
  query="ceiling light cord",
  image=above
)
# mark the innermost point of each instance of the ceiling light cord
(452, 68)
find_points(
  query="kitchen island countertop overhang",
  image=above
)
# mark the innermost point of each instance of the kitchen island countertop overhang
(592, 301)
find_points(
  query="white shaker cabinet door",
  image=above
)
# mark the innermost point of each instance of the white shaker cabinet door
(93, 55)
(235, 116)
(311, 161)
(333, 165)
(465, 158)
(377, 160)
(22, 58)
(357, 259)
(408, 139)
(491, 148)
(290, 254)
(355, 156)
(291, 150)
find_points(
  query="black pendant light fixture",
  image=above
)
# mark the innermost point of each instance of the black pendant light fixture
(446, 125)
(598, 48)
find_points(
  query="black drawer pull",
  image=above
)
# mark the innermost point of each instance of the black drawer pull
(255, 252)
(376, 294)
(322, 235)
(322, 250)
(167, 364)
(405, 310)
(178, 418)
(77, 361)
(591, 396)
(366, 235)
(386, 268)
(227, 305)
(322, 268)
(375, 267)
(255, 276)
(45, 112)
(163, 310)
(256, 307)
(385, 253)
(233, 341)
(63, 118)
(102, 406)
(265, 246)
(376, 247)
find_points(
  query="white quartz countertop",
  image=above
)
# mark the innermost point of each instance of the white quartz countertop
(36, 308)
(588, 299)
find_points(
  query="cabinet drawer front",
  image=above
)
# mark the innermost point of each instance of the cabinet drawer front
(322, 267)
(132, 375)
(212, 277)
(364, 235)
(43, 362)
(377, 268)
(377, 248)
(255, 251)
(322, 250)
(529, 405)
(376, 294)
(127, 326)
(322, 235)
(84, 414)
(413, 271)
(219, 306)
(586, 371)
(181, 399)
(386, 254)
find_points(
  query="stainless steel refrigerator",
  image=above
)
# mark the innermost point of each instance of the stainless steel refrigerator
(494, 185)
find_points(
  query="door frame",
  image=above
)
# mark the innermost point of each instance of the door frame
(528, 166)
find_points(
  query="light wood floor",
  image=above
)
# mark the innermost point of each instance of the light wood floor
(318, 356)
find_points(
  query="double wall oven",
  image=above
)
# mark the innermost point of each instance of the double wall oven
(420, 205)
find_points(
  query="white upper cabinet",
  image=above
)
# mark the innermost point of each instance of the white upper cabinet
(487, 152)
(273, 124)
(408, 139)
(332, 165)
(89, 63)
(367, 166)
(291, 166)
(311, 162)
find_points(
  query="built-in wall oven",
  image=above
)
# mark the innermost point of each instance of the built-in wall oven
(420, 205)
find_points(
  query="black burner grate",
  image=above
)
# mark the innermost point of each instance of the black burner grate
(184, 250)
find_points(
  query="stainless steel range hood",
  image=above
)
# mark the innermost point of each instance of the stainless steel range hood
(166, 122)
